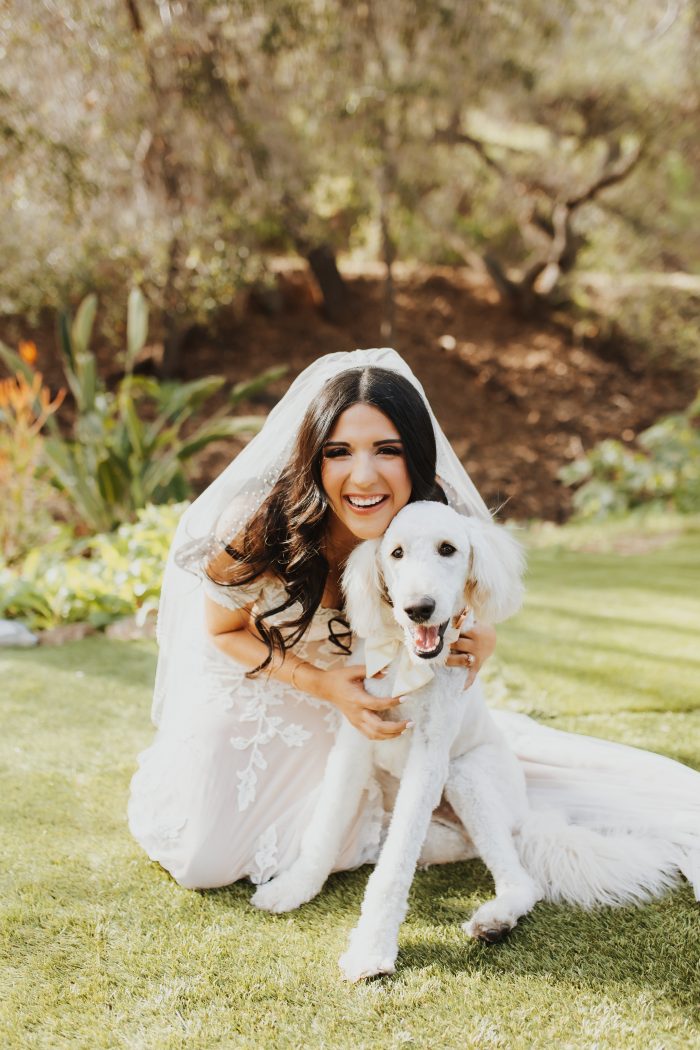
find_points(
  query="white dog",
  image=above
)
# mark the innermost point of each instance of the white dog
(404, 594)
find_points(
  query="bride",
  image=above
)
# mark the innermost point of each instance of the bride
(255, 668)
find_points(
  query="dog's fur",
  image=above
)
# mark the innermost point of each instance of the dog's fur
(454, 753)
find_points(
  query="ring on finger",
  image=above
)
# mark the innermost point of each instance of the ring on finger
(470, 659)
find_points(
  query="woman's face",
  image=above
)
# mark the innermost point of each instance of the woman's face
(364, 473)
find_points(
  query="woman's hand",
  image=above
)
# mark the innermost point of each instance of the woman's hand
(472, 649)
(343, 687)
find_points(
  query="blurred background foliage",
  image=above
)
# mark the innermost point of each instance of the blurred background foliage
(179, 145)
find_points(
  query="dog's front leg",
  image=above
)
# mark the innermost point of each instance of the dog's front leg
(374, 941)
(484, 789)
(347, 774)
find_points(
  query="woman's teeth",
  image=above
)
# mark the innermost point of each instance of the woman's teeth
(369, 501)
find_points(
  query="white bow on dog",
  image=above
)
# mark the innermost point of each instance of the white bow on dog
(410, 676)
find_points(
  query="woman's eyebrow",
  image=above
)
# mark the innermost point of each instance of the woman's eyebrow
(384, 441)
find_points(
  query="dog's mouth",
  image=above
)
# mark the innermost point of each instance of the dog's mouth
(427, 639)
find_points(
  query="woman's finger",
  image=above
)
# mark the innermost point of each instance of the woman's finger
(380, 703)
(462, 660)
(462, 645)
(378, 729)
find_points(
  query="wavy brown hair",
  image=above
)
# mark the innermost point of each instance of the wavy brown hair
(285, 535)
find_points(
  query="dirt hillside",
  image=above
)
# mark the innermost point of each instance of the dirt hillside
(516, 399)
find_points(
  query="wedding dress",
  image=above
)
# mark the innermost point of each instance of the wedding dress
(227, 788)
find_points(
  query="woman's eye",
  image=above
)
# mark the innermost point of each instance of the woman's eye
(397, 552)
(334, 453)
(445, 550)
(390, 450)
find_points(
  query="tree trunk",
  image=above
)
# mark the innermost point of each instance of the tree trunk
(174, 328)
(336, 298)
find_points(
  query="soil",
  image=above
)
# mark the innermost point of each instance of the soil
(517, 398)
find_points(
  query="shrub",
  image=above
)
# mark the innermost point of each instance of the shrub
(131, 447)
(663, 473)
(97, 580)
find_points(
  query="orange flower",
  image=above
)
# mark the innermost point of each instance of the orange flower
(28, 351)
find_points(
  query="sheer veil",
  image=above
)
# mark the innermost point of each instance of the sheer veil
(233, 498)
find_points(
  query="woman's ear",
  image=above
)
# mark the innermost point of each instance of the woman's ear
(363, 589)
(494, 587)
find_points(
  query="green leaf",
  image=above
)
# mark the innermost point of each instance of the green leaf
(219, 430)
(160, 474)
(251, 387)
(87, 375)
(64, 340)
(109, 483)
(81, 330)
(69, 469)
(136, 326)
(176, 397)
(132, 423)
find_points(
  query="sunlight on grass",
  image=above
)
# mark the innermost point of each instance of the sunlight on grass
(101, 949)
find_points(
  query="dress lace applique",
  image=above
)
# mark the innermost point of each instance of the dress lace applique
(267, 726)
(265, 858)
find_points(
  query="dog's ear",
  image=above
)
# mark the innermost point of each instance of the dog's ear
(363, 588)
(494, 588)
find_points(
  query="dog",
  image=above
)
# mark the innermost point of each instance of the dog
(404, 596)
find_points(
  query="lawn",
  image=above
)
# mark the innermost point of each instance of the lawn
(101, 949)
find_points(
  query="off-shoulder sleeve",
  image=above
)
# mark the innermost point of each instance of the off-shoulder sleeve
(232, 597)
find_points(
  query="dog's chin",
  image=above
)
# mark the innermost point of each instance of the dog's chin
(426, 640)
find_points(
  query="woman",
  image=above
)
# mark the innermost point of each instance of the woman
(253, 670)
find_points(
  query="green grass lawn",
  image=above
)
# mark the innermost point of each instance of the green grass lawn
(102, 949)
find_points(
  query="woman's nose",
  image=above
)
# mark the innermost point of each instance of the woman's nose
(363, 469)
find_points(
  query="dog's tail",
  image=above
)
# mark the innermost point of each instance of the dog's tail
(576, 865)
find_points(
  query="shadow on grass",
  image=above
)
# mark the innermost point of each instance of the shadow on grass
(651, 947)
(644, 949)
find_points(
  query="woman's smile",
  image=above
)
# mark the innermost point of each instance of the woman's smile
(365, 504)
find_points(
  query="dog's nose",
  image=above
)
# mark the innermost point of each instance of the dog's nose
(421, 611)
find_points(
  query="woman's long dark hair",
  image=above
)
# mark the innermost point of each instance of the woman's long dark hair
(285, 535)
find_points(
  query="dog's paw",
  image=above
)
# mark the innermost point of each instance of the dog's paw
(365, 959)
(284, 893)
(490, 931)
(494, 920)
(356, 967)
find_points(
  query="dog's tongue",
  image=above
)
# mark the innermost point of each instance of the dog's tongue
(426, 638)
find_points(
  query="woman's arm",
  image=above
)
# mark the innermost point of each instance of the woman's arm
(233, 632)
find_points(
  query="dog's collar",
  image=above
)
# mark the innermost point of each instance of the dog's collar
(380, 652)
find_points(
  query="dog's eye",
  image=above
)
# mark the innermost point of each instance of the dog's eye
(445, 550)
(397, 552)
